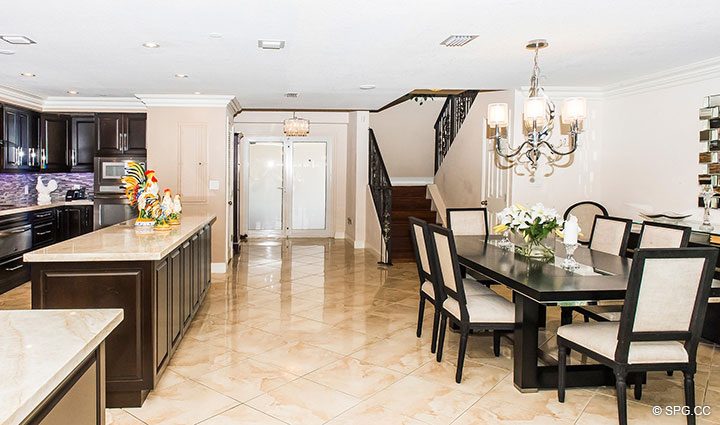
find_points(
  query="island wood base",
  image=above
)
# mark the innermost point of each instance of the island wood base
(159, 299)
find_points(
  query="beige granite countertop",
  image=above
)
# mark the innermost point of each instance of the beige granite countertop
(43, 207)
(121, 242)
(40, 348)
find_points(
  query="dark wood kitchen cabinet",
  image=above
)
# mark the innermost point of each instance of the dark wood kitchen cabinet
(74, 220)
(54, 142)
(20, 139)
(82, 143)
(159, 298)
(121, 134)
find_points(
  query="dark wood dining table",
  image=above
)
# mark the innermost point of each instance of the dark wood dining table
(538, 283)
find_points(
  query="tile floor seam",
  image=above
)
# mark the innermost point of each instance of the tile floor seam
(141, 421)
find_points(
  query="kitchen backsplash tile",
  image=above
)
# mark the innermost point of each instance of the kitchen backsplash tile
(12, 186)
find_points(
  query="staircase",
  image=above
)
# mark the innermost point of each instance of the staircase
(407, 201)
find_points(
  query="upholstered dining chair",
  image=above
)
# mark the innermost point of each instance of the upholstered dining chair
(468, 221)
(429, 292)
(469, 312)
(610, 235)
(652, 235)
(585, 211)
(659, 330)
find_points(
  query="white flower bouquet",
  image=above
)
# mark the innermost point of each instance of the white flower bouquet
(534, 225)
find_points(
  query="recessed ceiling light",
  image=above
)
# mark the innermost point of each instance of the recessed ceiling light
(215, 35)
(435, 89)
(367, 87)
(271, 44)
(181, 75)
(458, 40)
(72, 92)
(197, 92)
(292, 94)
(27, 74)
(151, 45)
(16, 39)
(7, 52)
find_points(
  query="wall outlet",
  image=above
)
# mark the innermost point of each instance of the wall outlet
(214, 184)
(27, 189)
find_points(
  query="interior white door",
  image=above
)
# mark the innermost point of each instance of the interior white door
(265, 182)
(288, 181)
(496, 181)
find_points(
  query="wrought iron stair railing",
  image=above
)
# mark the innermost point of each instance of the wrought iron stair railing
(381, 189)
(449, 121)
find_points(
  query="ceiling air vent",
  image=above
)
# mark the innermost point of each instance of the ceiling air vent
(16, 39)
(458, 40)
(271, 44)
(292, 94)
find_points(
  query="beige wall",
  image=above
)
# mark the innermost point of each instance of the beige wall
(649, 159)
(330, 125)
(404, 128)
(357, 170)
(163, 135)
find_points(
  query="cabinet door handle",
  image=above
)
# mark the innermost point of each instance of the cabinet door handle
(127, 144)
(12, 269)
(44, 233)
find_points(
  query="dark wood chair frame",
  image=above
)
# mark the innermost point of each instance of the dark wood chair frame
(464, 323)
(577, 204)
(424, 276)
(589, 314)
(626, 335)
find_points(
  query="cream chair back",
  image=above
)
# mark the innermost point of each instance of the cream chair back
(661, 235)
(468, 221)
(610, 235)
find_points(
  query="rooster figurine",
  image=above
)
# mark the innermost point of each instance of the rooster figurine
(44, 191)
(141, 189)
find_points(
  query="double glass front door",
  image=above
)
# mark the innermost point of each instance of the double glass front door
(287, 187)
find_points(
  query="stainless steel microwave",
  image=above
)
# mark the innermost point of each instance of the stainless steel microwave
(109, 171)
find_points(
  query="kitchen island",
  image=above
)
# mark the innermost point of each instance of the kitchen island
(53, 369)
(159, 280)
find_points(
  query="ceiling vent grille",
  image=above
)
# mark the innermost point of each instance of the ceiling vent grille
(458, 40)
(292, 95)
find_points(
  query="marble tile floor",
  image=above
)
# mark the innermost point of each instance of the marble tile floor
(313, 332)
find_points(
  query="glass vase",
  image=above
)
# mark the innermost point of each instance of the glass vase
(543, 249)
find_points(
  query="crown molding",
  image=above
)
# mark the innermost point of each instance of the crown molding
(686, 74)
(21, 98)
(185, 100)
(92, 104)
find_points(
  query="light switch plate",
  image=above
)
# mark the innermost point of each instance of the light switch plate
(214, 184)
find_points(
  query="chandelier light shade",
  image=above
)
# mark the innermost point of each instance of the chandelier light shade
(293, 127)
(574, 109)
(539, 117)
(497, 115)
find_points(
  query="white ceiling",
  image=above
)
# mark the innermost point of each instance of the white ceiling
(334, 46)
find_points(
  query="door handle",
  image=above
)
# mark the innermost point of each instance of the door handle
(229, 202)
(483, 203)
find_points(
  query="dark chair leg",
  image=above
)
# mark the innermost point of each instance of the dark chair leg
(421, 312)
(621, 389)
(638, 386)
(436, 322)
(496, 343)
(586, 318)
(566, 314)
(441, 338)
(562, 366)
(690, 396)
(461, 353)
(669, 373)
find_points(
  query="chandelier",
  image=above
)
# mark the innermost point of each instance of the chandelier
(296, 126)
(539, 121)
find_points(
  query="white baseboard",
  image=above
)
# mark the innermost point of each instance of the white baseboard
(340, 235)
(411, 181)
(218, 268)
